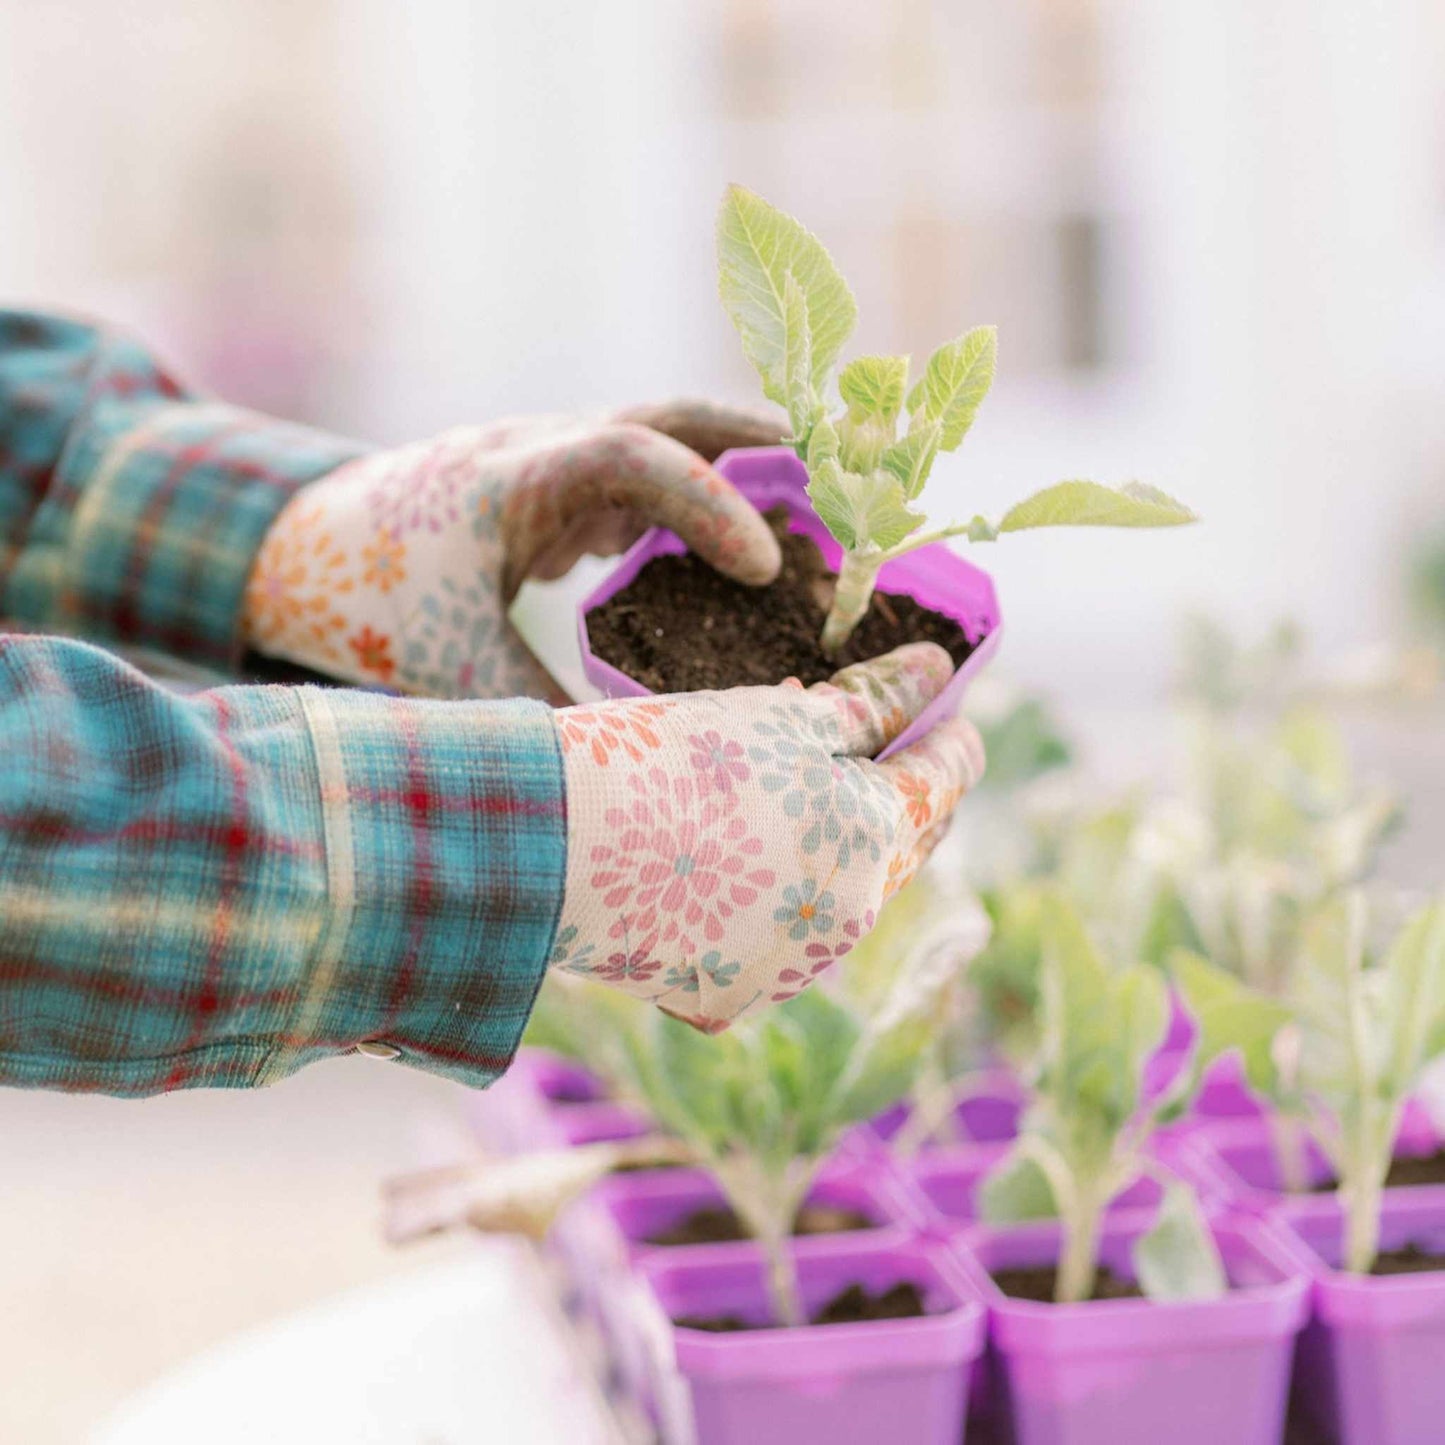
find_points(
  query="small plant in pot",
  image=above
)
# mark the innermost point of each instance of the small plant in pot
(1342, 1050)
(1121, 1324)
(743, 1330)
(849, 481)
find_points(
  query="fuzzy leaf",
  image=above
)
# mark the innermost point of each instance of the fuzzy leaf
(862, 512)
(1415, 969)
(1177, 1259)
(1230, 1016)
(1015, 1191)
(892, 1047)
(1091, 504)
(911, 459)
(954, 384)
(758, 248)
(873, 386)
(799, 394)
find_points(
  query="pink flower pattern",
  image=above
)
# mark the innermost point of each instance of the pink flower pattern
(681, 859)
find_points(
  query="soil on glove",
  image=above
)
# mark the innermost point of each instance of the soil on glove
(1409, 1260)
(679, 626)
(1037, 1283)
(716, 1224)
(855, 1304)
(1405, 1171)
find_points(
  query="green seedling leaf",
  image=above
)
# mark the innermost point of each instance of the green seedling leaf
(800, 394)
(864, 513)
(1178, 1259)
(1023, 744)
(759, 248)
(1414, 1013)
(891, 1049)
(1015, 1191)
(1231, 1016)
(1091, 504)
(954, 384)
(911, 459)
(873, 386)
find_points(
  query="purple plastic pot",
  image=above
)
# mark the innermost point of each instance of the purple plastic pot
(638, 1205)
(949, 1181)
(934, 576)
(1369, 1366)
(1235, 1162)
(1196, 1373)
(900, 1381)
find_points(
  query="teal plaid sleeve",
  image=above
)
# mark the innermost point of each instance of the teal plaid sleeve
(130, 510)
(217, 889)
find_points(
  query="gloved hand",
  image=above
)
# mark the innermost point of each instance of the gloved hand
(398, 567)
(725, 848)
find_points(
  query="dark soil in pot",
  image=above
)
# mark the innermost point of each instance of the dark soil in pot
(719, 1225)
(1037, 1283)
(1404, 1171)
(1411, 1259)
(679, 626)
(854, 1304)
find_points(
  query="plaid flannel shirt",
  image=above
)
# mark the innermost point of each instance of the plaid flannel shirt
(217, 889)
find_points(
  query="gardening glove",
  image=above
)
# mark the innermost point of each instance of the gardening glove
(725, 848)
(398, 567)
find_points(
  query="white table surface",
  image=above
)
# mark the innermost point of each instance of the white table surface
(469, 1352)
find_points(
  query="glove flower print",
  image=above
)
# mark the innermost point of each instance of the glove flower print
(683, 861)
(726, 849)
(426, 545)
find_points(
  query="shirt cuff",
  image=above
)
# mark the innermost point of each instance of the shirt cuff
(445, 836)
(171, 501)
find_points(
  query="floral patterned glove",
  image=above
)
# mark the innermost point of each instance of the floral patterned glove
(398, 567)
(725, 848)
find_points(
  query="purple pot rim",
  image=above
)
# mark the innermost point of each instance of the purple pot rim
(924, 568)
(1257, 1311)
(1342, 1297)
(947, 1337)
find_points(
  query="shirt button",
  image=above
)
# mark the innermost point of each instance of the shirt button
(373, 1049)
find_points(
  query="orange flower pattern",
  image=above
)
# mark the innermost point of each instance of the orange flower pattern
(426, 545)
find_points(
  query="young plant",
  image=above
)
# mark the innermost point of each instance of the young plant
(1342, 1047)
(1270, 826)
(761, 1107)
(794, 311)
(1087, 1132)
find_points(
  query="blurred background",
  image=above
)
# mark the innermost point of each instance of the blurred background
(1212, 237)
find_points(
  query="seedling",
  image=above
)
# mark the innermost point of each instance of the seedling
(794, 311)
(761, 1107)
(1342, 1047)
(1087, 1133)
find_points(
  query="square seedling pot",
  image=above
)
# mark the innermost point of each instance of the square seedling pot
(904, 1382)
(1234, 1161)
(1103, 1373)
(638, 1206)
(934, 576)
(1369, 1370)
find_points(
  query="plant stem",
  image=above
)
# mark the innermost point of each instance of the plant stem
(931, 1117)
(1362, 1225)
(782, 1276)
(856, 579)
(1079, 1258)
